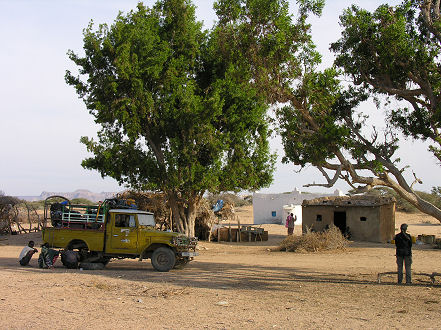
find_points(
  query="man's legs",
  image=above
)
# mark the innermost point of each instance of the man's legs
(400, 268)
(290, 230)
(408, 265)
(25, 260)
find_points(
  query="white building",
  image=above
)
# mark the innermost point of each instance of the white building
(274, 208)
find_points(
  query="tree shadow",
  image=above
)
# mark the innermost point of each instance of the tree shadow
(211, 275)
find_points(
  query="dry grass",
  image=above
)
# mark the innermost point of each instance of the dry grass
(329, 240)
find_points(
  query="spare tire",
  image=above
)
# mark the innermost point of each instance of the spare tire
(92, 265)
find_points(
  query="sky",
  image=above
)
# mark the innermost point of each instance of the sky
(42, 118)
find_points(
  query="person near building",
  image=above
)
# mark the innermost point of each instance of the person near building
(27, 253)
(290, 223)
(403, 243)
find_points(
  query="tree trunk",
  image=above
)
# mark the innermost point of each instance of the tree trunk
(184, 214)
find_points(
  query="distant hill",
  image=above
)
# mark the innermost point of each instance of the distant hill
(79, 193)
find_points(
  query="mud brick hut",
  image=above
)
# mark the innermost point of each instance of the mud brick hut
(366, 218)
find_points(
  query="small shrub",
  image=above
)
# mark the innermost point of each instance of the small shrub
(328, 240)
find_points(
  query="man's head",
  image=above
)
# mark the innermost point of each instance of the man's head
(292, 214)
(31, 244)
(403, 227)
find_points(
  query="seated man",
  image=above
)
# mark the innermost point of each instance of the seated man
(47, 257)
(70, 258)
(27, 253)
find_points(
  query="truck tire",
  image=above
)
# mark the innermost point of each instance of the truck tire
(163, 259)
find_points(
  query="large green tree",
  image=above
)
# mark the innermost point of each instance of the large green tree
(179, 108)
(394, 51)
(391, 52)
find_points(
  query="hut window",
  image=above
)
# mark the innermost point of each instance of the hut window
(363, 218)
(319, 217)
(273, 213)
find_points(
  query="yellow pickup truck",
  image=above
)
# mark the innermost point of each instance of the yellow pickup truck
(114, 229)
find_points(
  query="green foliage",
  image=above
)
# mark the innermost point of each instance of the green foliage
(404, 206)
(263, 41)
(38, 205)
(82, 201)
(174, 114)
(313, 133)
(230, 198)
(394, 51)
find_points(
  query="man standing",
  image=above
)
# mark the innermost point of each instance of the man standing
(27, 253)
(403, 243)
(290, 223)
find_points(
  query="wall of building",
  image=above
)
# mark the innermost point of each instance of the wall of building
(268, 208)
(387, 221)
(366, 223)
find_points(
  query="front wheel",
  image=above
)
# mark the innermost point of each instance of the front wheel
(163, 259)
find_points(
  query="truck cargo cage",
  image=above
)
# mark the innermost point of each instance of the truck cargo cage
(63, 214)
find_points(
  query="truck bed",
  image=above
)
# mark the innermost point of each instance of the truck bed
(61, 237)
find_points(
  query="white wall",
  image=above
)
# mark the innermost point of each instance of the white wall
(296, 210)
(268, 208)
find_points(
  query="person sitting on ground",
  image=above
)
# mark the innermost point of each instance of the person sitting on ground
(27, 253)
(47, 257)
(70, 258)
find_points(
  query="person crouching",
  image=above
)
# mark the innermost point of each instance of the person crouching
(47, 257)
(27, 253)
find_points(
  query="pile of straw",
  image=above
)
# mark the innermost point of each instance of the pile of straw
(328, 240)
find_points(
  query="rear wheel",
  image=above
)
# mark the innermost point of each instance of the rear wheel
(163, 259)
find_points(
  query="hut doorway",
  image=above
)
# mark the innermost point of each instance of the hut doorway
(340, 221)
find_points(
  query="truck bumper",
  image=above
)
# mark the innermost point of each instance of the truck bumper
(188, 254)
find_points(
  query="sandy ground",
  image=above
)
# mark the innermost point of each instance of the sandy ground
(229, 286)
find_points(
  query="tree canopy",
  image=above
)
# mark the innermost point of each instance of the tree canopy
(390, 52)
(394, 51)
(176, 104)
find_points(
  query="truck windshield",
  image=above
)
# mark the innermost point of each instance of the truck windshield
(146, 220)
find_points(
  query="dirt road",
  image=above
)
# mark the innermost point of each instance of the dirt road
(229, 286)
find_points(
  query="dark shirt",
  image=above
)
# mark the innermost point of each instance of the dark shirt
(403, 242)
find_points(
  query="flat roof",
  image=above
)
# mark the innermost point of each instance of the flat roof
(356, 200)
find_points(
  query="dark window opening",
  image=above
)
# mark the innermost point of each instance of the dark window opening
(363, 218)
(319, 217)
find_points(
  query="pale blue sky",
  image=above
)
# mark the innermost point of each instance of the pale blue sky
(42, 118)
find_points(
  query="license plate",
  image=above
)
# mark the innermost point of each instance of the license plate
(189, 254)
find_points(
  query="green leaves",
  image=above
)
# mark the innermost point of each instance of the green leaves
(395, 51)
(174, 114)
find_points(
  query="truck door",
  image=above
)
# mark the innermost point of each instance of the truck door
(124, 234)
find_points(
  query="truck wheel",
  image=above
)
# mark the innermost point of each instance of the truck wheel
(163, 259)
(104, 260)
